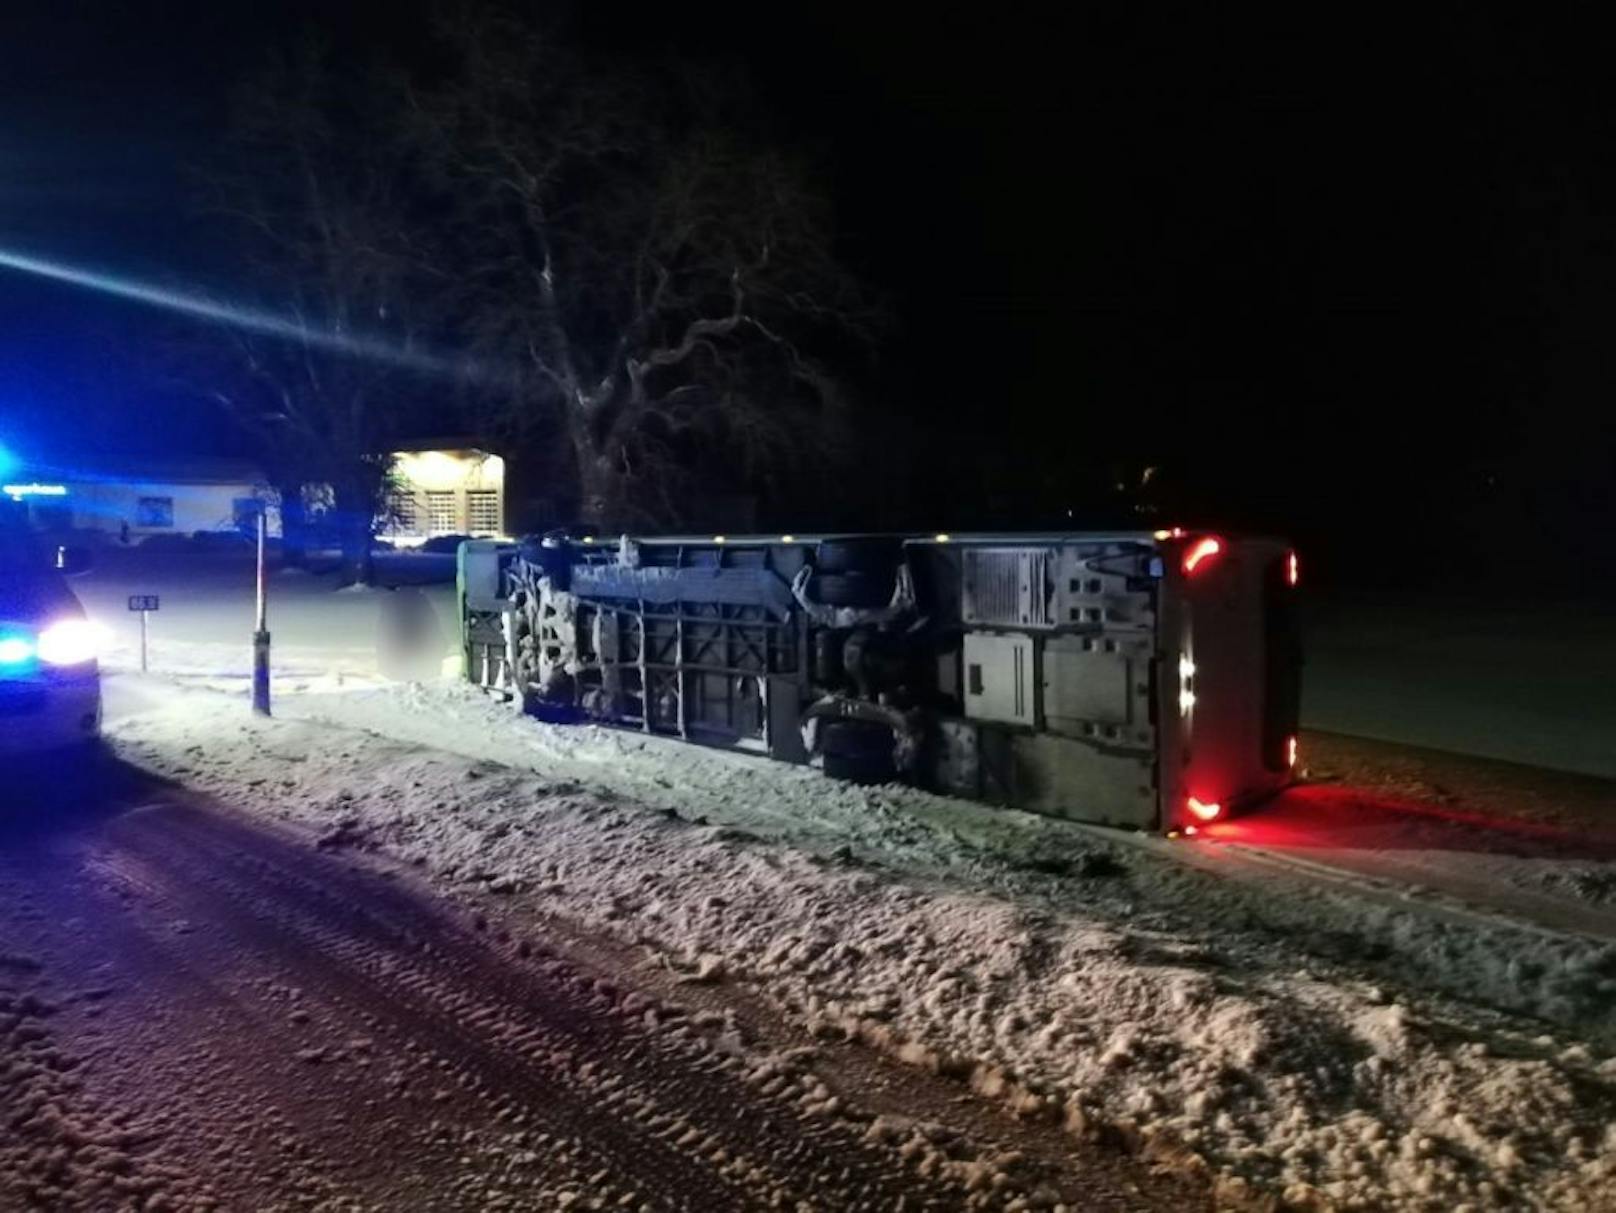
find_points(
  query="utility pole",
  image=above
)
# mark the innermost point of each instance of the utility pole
(260, 676)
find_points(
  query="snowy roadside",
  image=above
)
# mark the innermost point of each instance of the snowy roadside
(1276, 1035)
(1566, 980)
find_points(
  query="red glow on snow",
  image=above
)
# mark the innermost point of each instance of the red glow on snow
(1349, 821)
(1293, 569)
(1205, 811)
(1200, 551)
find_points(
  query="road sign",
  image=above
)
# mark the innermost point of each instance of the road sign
(145, 604)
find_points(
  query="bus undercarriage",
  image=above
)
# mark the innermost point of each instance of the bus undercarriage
(1148, 680)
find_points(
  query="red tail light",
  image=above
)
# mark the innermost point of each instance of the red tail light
(1201, 551)
(1205, 811)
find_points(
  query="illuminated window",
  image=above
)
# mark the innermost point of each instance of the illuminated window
(482, 512)
(154, 512)
(441, 513)
(405, 513)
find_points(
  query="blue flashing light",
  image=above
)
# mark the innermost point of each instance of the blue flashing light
(8, 461)
(16, 651)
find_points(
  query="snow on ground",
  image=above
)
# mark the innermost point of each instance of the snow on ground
(1563, 979)
(205, 622)
(1503, 677)
(59, 1148)
(1295, 1040)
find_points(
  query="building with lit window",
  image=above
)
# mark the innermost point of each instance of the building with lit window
(444, 490)
(448, 489)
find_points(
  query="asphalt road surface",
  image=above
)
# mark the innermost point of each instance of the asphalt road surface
(198, 1012)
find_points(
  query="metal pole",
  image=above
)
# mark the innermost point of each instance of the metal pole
(144, 615)
(260, 681)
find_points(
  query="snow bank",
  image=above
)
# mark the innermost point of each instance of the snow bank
(1285, 1041)
(1565, 979)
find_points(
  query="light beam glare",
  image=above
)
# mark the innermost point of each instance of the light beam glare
(252, 319)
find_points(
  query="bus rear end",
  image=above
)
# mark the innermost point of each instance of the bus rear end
(1229, 685)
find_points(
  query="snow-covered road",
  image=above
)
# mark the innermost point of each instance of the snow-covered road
(200, 1012)
(1560, 881)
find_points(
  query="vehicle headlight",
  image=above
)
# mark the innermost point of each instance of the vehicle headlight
(70, 642)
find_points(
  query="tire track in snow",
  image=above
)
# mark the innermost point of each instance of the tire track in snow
(649, 1114)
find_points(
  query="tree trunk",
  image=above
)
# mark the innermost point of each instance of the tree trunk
(294, 527)
(356, 518)
(598, 487)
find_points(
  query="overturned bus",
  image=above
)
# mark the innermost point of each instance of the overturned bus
(1149, 679)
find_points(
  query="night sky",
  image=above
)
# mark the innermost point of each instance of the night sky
(1350, 280)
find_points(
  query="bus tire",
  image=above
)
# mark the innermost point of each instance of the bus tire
(856, 555)
(858, 752)
(852, 590)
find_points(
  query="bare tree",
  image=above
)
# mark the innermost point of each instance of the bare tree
(658, 287)
(319, 188)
